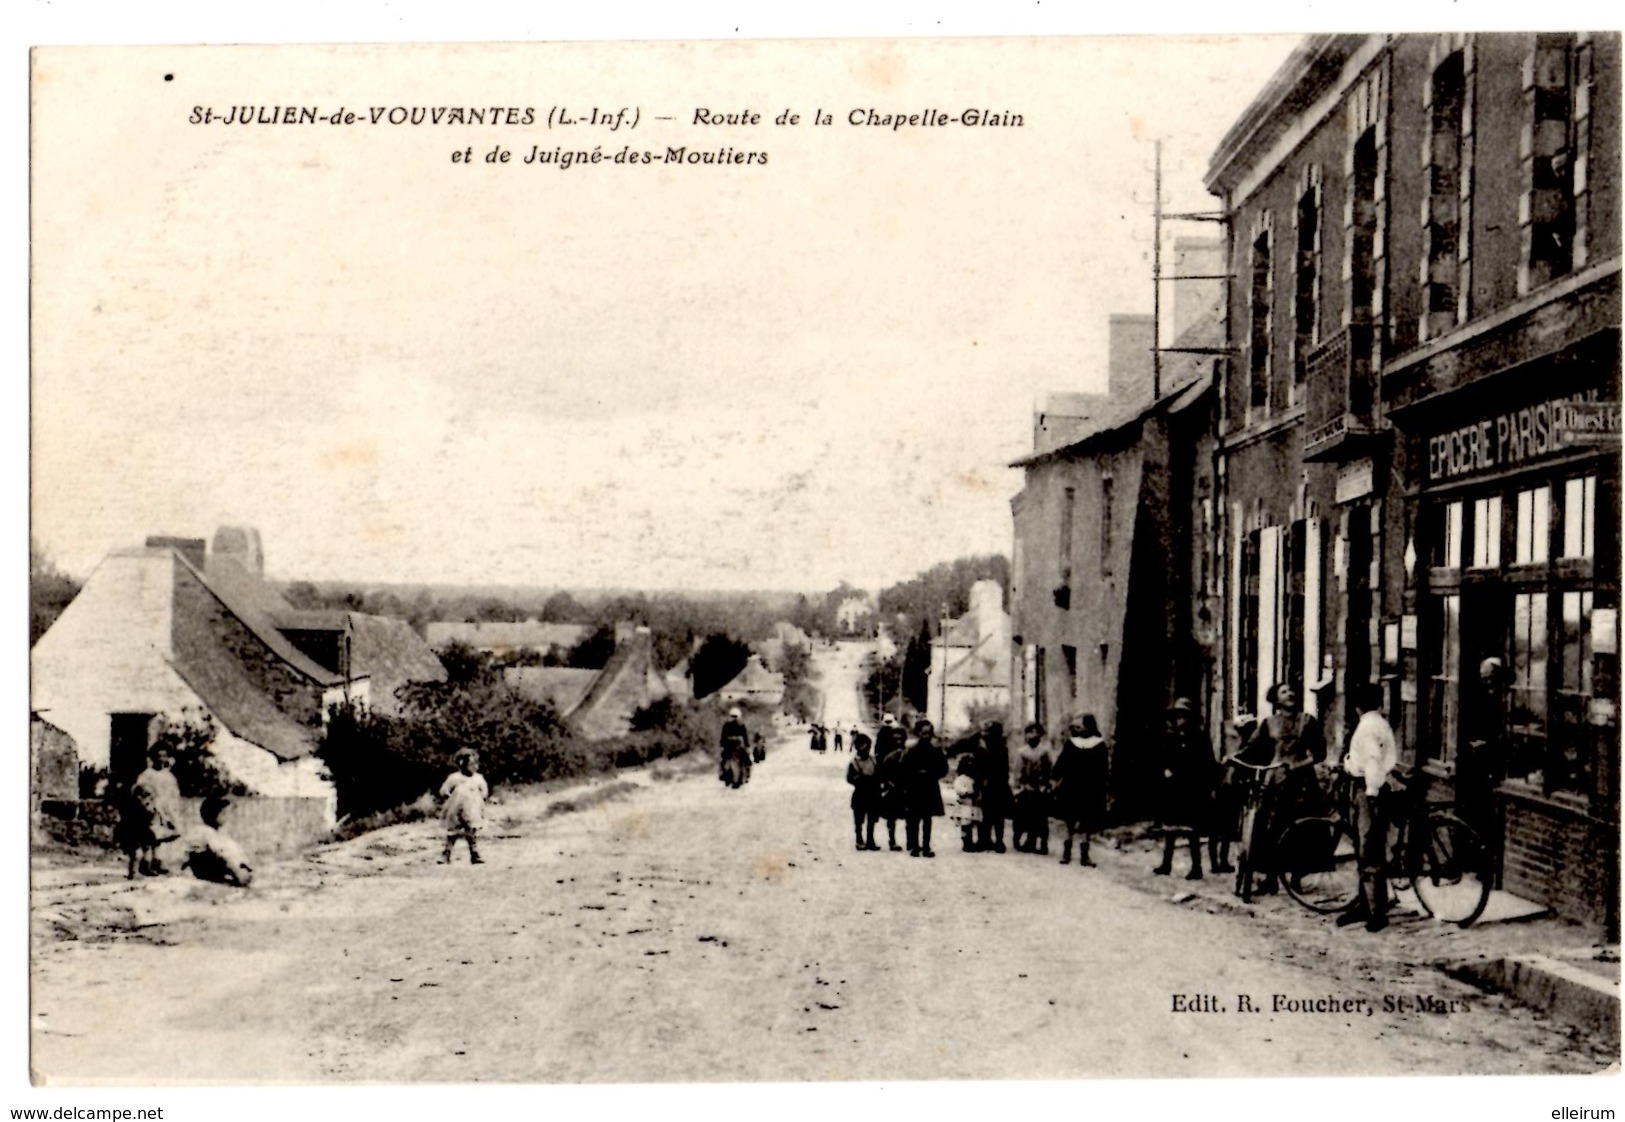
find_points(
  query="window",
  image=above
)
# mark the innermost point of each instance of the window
(1258, 332)
(1362, 236)
(1247, 632)
(1306, 295)
(1447, 538)
(1487, 533)
(1070, 654)
(1447, 187)
(1105, 525)
(1547, 213)
(1069, 502)
(1569, 762)
(1533, 526)
(1580, 517)
(1529, 658)
(1040, 688)
(1446, 679)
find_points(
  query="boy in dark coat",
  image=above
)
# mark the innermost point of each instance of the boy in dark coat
(924, 765)
(1185, 787)
(993, 769)
(862, 773)
(889, 766)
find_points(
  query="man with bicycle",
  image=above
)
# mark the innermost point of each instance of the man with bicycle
(1368, 764)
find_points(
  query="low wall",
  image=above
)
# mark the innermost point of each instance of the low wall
(265, 826)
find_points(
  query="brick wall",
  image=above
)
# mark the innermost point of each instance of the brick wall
(1557, 857)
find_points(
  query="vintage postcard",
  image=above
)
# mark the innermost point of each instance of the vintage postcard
(825, 561)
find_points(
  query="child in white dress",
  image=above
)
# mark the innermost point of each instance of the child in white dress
(464, 793)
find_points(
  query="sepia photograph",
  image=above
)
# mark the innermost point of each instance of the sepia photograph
(802, 560)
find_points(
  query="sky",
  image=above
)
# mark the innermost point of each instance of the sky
(399, 368)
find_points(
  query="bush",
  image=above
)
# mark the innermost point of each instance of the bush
(198, 772)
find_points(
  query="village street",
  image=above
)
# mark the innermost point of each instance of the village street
(677, 930)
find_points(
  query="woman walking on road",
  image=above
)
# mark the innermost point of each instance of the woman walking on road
(1080, 785)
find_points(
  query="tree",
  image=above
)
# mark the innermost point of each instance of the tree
(917, 667)
(49, 591)
(717, 662)
(594, 651)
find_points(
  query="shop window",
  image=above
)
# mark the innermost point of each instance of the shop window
(1580, 517)
(1446, 685)
(1533, 530)
(1447, 538)
(1487, 533)
(1527, 721)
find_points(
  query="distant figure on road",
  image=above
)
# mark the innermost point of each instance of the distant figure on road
(1186, 778)
(213, 856)
(864, 776)
(1080, 785)
(889, 764)
(924, 765)
(734, 746)
(464, 793)
(1029, 825)
(758, 749)
(150, 815)
(838, 740)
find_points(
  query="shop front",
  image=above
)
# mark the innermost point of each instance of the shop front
(1507, 645)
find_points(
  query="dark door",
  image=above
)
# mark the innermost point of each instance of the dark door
(127, 750)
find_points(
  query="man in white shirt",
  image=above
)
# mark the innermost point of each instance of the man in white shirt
(1372, 756)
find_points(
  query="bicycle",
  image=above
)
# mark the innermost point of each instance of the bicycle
(1428, 851)
(1248, 844)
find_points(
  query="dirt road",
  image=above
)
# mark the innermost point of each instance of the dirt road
(680, 931)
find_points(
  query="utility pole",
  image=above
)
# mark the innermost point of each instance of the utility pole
(1156, 274)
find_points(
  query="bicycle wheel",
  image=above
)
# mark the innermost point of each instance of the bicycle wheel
(1451, 877)
(1244, 854)
(1320, 864)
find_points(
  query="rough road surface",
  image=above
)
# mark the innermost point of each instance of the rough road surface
(678, 930)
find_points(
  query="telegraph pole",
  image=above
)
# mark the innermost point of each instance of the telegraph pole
(1156, 274)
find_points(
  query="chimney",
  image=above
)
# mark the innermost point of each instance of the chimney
(1128, 358)
(242, 545)
(1194, 299)
(189, 548)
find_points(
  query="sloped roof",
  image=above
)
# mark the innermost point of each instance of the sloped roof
(225, 573)
(628, 682)
(562, 687)
(245, 606)
(218, 678)
(390, 653)
(755, 678)
(495, 635)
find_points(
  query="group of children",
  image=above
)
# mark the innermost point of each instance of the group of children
(1070, 787)
(150, 822)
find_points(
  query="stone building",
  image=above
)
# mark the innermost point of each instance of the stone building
(1418, 434)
